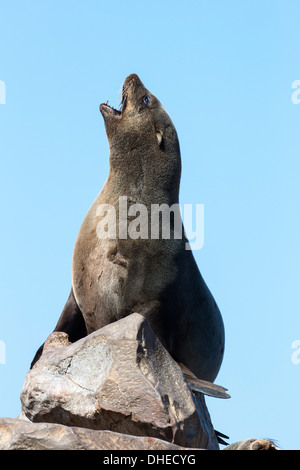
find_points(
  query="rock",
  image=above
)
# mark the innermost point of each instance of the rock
(16, 434)
(119, 378)
(252, 444)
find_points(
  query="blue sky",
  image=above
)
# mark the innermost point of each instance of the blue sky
(224, 72)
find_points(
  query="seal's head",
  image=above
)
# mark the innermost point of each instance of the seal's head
(141, 127)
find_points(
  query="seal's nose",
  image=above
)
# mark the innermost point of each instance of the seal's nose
(132, 80)
(133, 77)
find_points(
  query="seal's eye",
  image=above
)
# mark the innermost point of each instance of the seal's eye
(146, 100)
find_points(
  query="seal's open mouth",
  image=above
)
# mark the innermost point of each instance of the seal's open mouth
(110, 110)
(104, 107)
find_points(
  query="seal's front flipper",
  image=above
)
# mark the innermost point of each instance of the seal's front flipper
(37, 356)
(70, 321)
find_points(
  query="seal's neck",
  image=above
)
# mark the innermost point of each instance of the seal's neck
(142, 189)
(146, 179)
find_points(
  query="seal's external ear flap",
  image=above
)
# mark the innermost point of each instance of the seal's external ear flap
(159, 137)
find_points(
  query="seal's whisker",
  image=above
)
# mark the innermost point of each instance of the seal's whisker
(124, 89)
(120, 100)
(121, 96)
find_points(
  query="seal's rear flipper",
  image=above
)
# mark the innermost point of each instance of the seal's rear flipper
(203, 386)
(70, 321)
(220, 437)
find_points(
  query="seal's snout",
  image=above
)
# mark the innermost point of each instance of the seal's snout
(132, 79)
(132, 88)
(132, 82)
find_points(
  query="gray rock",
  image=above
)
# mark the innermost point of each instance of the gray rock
(16, 434)
(121, 379)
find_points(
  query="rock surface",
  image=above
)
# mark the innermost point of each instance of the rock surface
(16, 434)
(116, 389)
(121, 379)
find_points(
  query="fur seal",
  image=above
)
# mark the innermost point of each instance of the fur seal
(159, 278)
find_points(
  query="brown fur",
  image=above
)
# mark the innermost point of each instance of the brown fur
(156, 277)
